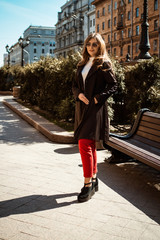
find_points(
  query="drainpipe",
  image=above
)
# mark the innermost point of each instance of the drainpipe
(159, 31)
(111, 26)
(132, 30)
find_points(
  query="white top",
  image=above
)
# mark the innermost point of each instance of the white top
(86, 69)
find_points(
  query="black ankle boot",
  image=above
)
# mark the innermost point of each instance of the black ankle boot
(95, 184)
(86, 193)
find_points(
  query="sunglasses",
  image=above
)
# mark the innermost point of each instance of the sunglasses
(93, 45)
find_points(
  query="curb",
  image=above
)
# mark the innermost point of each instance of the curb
(48, 129)
(6, 93)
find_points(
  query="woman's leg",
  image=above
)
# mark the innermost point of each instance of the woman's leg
(94, 154)
(88, 154)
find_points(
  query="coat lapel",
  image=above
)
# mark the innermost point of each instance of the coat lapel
(92, 70)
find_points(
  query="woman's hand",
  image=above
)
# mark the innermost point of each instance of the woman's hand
(82, 97)
(95, 100)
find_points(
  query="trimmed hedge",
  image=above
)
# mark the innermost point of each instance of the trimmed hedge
(142, 87)
(48, 85)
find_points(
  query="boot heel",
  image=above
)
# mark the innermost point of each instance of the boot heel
(95, 184)
(96, 188)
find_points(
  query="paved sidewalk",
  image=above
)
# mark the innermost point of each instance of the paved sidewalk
(40, 180)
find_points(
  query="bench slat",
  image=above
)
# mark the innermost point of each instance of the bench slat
(149, 136)
(151, 119)
(148, 148)
(150, 125)
(130, 147)
(152, 114)
(138, 153)
(147, 141)
(149, 130)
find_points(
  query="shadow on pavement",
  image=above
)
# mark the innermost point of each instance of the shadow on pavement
(34, 203)
(67, 150)
(136, 182)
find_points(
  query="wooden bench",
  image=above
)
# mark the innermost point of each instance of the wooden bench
(142, 142)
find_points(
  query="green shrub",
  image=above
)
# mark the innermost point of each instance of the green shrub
(10, 77)
(142, 87)
(48, 85)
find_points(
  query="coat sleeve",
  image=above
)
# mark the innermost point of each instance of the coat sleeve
(111, 84)
(75, 89)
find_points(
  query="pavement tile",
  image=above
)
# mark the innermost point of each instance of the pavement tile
(151, 233)
(24, 236)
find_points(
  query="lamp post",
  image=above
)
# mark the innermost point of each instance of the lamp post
(23, 45)
(144, 42)
(8, 51)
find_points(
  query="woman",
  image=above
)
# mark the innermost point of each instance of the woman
(93, 84)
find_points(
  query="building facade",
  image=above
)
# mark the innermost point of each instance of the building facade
(41, 43)
(119, 22)
(75, 21)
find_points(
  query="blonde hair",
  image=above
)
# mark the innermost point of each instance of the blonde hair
(101, 53)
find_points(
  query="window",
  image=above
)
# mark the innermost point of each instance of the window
(122, 18)
(129, 1)
(155, 25)
(35, 50)
(109, 39)
(129, 15)
(129, 32)
(114, 51)
(122, 34)
(42, 50)
(109, 8)
(115, 5)
(122, 2)
(137, 47)
(54, 44)
(115, 36)
(121, 51)
(109, 52)
(35, 44)
(129, 49)
(155, 5)
(137, 30)
(97, 27)
(90, 23)
(50, 44)
(102, 25)
(42, 43)
(137, 12)
(93, 22)
(50, 51)
(155, 45)
(115, 21)
(109, 23)
(98, 14)
(103, 11)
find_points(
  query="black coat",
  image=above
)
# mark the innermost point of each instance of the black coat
(91, 121)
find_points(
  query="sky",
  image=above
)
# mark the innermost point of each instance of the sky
(17, 15)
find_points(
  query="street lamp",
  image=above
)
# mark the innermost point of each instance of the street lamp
(8, 51)
(144, 42)
(23, 45)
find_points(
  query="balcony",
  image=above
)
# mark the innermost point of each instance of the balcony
(120, 25)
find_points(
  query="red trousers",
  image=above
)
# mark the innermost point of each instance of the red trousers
(87, 149)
